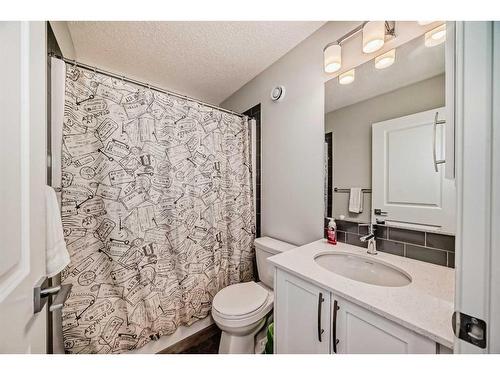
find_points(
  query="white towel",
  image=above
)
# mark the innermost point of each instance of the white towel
(57, 86)
(356, 200)
(57, 257)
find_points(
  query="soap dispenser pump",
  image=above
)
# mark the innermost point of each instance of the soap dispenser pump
(331, 233)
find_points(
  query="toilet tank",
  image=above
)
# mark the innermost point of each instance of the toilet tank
(266, 247)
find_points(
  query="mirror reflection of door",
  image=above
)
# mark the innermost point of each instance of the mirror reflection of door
(409, 185)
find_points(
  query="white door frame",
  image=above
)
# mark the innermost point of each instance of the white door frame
(494, 342)
(478, 179)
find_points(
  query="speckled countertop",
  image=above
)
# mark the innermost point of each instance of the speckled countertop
(424, 306)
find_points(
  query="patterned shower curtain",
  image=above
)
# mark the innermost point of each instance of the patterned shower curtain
(157, 211)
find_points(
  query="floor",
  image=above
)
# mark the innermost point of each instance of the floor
(205, 341)
(208, 346)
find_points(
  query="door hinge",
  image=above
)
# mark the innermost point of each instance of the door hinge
(469, 328)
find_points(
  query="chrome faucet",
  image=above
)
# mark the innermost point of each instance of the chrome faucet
(370, 238)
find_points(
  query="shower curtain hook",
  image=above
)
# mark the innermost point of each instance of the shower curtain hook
(95, 69)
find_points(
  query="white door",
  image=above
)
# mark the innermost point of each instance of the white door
(22, 174)
(408, 182)
(302, 317)
(360, 331)
(478, 179)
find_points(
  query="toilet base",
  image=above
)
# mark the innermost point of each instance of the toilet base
(243, 344)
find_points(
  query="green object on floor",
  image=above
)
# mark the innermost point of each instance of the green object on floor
(270, 339)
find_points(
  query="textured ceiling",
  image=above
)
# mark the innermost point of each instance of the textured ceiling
(206, 60)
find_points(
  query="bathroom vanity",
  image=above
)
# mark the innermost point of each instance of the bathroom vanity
(338, 299)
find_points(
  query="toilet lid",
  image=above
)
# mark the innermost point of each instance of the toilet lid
(240, 299)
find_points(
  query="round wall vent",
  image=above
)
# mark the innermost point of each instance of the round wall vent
(278, 93)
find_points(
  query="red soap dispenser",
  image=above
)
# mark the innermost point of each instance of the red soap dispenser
(331, 233)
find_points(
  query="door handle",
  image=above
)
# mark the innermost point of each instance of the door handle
(434, 141)
(334, 326)
(61, 297)
(320, 303)
(42, 291)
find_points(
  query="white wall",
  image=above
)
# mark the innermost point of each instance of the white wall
(292, 137)
(352, 129)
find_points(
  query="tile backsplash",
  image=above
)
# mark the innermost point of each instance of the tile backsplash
(425, 246)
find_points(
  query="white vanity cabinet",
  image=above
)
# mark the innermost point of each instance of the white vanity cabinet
(355, 330)
(309, 319)
(301, 316)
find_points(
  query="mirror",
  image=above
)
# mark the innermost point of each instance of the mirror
(385, 134)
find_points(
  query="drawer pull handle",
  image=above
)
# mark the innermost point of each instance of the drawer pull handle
(320, 330)
(334, 326)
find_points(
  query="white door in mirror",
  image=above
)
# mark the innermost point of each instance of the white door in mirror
(408, 181)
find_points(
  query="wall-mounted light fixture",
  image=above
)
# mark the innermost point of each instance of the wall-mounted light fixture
(386, 59)
(347, 77)
(436, 36)
(374, 35)
(333, 58)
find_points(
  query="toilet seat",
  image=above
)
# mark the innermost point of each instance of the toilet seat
(239, 300)
(242, 304)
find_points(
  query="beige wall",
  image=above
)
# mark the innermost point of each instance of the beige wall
(292, 137)
(351, 127)
(63, 36)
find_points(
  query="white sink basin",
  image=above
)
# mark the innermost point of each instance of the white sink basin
(363, 268)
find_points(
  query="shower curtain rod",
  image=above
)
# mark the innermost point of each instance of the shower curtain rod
(146, 85)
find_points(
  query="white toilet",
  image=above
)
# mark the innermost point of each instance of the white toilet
(240, 310)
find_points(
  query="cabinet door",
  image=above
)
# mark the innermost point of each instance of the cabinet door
(360, 331)
(408, 182)
(302, 316)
